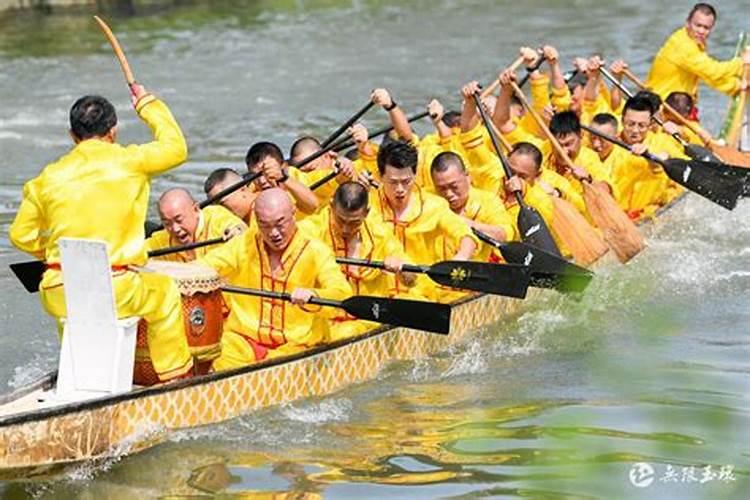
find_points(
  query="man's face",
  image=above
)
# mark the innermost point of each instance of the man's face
(323, 162)
(571, 143)
(347, 223)
(576, 98)
(239, 202)
(180, 219)
(453, 185)
(277, 227)
(523, 166)
(699, 26)
(635, 125)
(397, 185)
(602, 146)
(262, 183)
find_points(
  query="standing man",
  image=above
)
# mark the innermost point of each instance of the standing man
(682, 61)
(100, 190)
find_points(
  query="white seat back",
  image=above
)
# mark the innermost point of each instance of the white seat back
(97, 351)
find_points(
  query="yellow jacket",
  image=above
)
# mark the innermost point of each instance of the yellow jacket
(275, 324)
(586, 159)
(213, 221)
(682, 62)
(98, 190)
(481, 160)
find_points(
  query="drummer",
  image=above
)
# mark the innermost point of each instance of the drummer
(277, 257)
(185, 222)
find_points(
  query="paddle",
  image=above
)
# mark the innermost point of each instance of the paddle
(30, 272)
(726, 153)
(347, 124)
(129, 78)
(619, 231)
(510, 280)
(496, 82)
(427, 316)
(347, 143)
(531, 226)
(547, 270)
(698, 176)
(692, 150)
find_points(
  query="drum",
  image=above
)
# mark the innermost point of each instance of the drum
(203, 310)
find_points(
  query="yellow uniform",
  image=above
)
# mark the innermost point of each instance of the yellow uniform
(616, 157)
(481, 161)
(682, 63)
(586, 159)
(213, 221)
(564, 187)
(260, 327)
(375, 244)
(100, 190)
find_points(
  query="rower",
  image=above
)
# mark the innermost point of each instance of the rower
(240, 203)
(345, 228)
(185, 222)
(415, 217)
(682, 62)
(267, 158)
(99, 191)
(278, 258)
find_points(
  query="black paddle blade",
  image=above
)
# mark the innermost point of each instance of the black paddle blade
(498, 279)
(534, 230)
(743, 174)
(547, 270)
(29, 273)
(712, 184)
(427, 316)
(700, 153)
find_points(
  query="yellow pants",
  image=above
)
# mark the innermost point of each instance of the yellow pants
(153, 297)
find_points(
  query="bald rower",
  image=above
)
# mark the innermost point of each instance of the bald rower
(240, 203)
(280, 258)
(185, 222)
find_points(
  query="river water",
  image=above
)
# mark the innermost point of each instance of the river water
(651, 366)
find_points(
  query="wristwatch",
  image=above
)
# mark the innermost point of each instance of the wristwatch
(391, 107)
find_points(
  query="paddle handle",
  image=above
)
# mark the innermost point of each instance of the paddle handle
(315, 185)
(498, 149)
(182, 248)
(256, 292)
(323, 150)
(618, 142)
(376, 264)
(530, 70)
(246, 179)
(496, 82)
(346, 144)
(347, 124)
(129, 78)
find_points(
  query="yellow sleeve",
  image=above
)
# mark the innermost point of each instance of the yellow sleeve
(330, 282)
(158, 240)
(561, 99)
(520, 134)
(453, 225)
(483, 165)
(221, 219)
(28, 228)
(495, 214)
(539, 100)
(312, 226)
(565, 188)
(721, 75)
(227, 259)
(168, 149)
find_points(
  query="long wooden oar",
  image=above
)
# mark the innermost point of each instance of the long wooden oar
(692, 150)
(726, 153)
(426, 316)
(547, 270)
(30, 272)
(489, 89)
(619, 231)
(509, 280)
(347, 143)
(351, 121)
(530, 223)
(733, 137)
(129, 78)
(698, 176)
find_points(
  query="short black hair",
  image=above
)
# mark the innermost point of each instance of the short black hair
(564, 123)
(452, 118)
(526, 148)
(92, 116)
(682, 102)
(352, 154)
(397, 154)
(652, 97)
(638, 103)
(446, 160)
(704, 8)
(217, 177)
(351, 196)
(515, 100)
(605, 119)
(262, 150)
(298, 144)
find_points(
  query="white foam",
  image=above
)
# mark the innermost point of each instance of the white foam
(471, 361)
(333, 410)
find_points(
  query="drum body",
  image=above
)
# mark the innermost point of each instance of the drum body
(203, 311)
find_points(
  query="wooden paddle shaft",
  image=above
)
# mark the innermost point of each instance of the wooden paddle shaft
(117, 50)
(496, 82)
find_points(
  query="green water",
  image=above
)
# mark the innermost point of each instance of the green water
(651, 365)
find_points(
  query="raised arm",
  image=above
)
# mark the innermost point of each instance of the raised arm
(400, 122)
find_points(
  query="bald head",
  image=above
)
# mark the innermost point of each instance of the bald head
(180, 214)
(274, 212)
(240, 202)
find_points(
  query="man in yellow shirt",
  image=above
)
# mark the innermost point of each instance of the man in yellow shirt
(185, 222)
(344, 226)
(682, 62)
(100, 190)
(278, 258)
(240, 203)
(525, 161)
